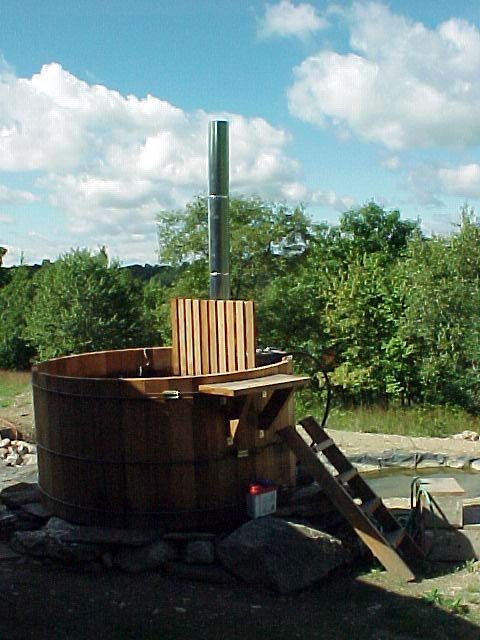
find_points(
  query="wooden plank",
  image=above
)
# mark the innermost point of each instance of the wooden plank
(197, 338)
(273, 407)
(221, 337)
(442, 486)
(181, 338)
(340, 498)
(189, 336)
(240, 334)
(347, 475)
(254, 385)
(372, 505)
(250, 343)
(175, 337)
(205, 336)
(324, 445)
(230, 330)
(212, 328)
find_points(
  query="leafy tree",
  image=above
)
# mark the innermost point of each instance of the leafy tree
(441, 323)
(265, 239)
(15, 305)
(341, 306)
(371, 229)
(83, 304)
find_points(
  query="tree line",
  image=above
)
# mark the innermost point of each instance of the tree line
(390, 314)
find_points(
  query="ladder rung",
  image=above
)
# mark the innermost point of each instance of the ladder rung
(394, 538)
(347, 475)
(325, 444)
(370, 506)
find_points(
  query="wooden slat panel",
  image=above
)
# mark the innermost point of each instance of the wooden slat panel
(175, 337)
(221, 337)
(231, 355)
(240, 334)
(212, 330)
(212, 336)
(197, 338)
(189, 336)
(205, 336)
(250, 334)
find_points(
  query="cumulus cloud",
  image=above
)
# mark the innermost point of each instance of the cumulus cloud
(110, 162)
(15, 196)
(332, 200)
(287, 19)
(402, 85)
(392, 162)
(463, 181)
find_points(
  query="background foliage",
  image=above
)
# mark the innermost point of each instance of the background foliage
(392, 315)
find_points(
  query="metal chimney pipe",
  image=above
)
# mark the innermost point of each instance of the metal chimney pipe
(218, 227)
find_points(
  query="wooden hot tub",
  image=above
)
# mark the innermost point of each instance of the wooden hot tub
(114, 449)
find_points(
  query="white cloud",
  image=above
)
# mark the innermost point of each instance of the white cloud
(332, 200)
(463, 181)
(110, 163)
(392, 162)
(402, 85)
(15, 196)
(6, 219)
(287, 19)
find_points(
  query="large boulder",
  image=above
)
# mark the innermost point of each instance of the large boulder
(41, 544)
(279, 554)
(137, 560)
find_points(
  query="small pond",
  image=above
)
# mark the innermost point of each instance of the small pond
(395, 483)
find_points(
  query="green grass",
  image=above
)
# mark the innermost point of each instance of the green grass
(12, 383)
(409, 421)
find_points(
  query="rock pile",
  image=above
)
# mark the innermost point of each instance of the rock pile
(279, 553)
(17, 452)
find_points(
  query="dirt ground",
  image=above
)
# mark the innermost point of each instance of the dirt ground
(46, 600)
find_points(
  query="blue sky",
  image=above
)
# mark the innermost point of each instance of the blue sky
(104, 108)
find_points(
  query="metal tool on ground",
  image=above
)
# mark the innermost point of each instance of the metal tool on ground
(353, 497)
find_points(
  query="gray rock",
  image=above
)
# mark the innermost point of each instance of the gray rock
(20, 493)
(69, 532)
(8, 524)
(187, 536)
(200, 552)
(4, 443)
(3, 452)
(458, 462)
(475, 465)
(13, 459)
(11, 521)
(42, 545)
(279, 554)
(145, 558)
(36, 509)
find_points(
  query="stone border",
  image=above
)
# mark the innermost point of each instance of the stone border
(372, 462)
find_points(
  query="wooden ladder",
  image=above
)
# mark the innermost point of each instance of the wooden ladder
(355, 499)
